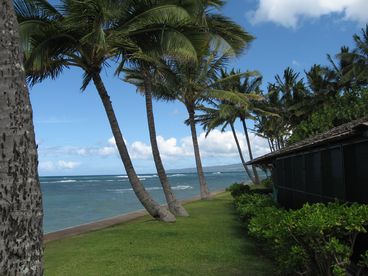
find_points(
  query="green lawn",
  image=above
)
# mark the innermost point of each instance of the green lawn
(209, 242)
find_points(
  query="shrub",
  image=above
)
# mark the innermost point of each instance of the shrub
(317, 239)
(249, 205)
(267, 182)
(238, 189)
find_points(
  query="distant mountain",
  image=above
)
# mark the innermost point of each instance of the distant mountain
(224, 168)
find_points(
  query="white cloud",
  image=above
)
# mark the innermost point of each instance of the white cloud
(216, 144)
(46, 166)
(67, 164)
(112, 141)
(169, 147)
(50, 166)
(288, 13)
(222, 144)
(140, 150)
(106, 151)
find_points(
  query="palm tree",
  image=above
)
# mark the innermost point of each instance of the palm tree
(226, 112)
(321, 84)
(87, 34)
(191, 84)
(20, 195)
(344, 70)
(141, 67)
(216, 116)
(192, 80)
(142, 75)
(361, 53)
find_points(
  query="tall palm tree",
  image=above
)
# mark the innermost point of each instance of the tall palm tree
(141, 67)
(361, 52)
(20, 194)
(246, 84)
(192, 84)
(213, 117)
(189, 80)
(142, 74)
(88, 34)
(343, 70)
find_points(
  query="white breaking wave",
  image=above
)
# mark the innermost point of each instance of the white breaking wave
(182, 187)
(179, 187)
(121, 176)
(66, 181)
(216, 173)
(120, 191)
(175, 175)
(147, 176)
(153, 188)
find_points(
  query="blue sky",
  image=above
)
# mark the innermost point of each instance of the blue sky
(72, 130)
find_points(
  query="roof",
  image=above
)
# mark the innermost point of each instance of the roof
(346, 131)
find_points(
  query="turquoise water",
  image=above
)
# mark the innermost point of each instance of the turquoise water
(73, 200)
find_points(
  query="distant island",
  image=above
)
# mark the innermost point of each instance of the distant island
(211, 169)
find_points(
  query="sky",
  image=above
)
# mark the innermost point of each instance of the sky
(72, 131)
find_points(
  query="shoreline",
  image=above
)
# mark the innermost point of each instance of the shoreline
(108, 222)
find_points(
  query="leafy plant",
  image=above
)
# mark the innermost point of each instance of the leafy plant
(238, 189)
(340, 110)
(317, 239)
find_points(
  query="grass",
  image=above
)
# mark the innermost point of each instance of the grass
(209, 242)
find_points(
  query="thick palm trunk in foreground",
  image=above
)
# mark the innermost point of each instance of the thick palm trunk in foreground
(256, 177)
(205, 194)
(174, 205)
(241, 153)
(152, 207)
(20, 195)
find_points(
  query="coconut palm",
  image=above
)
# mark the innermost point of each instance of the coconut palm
(142, 67)
(189, 88)
(192, 84)
(226, 112)
(213, 117)
(142, 74)
(20, 194)
(87, 34)
(361, 52)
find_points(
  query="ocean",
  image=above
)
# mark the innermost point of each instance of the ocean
(73, 200)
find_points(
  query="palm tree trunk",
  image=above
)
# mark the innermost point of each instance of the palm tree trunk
(152, 207)
(269, 144)
(205, 194)
(174, 205)
(241, 153)
(21, 212)
(256, 177)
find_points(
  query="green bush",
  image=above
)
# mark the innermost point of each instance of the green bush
(249, 205)
(238, 189)
(267, 182)
(317, 239)
(339, 110)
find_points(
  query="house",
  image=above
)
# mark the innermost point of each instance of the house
(331, 165)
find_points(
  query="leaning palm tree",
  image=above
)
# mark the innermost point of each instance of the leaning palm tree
(190, 88)
(226, 112)
(21, 235)
(141, 74)
(192, 84)
(213, 117)
(361, 52)
(143, 66)
(87, 34)
(249, 87)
